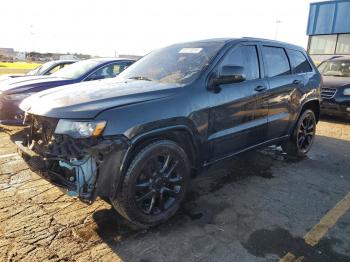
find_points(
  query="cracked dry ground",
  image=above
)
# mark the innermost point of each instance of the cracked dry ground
(251, 208)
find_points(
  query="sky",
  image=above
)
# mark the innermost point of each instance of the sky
(109, 27)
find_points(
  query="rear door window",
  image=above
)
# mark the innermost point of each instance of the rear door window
(276, 61)
(247, 57)
(108, 71)
(299, 62)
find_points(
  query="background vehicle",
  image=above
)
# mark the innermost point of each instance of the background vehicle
(335, 91)
(44, 69)
(136, 139)
(12, 92)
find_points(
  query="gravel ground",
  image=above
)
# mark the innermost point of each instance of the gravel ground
(255, 207)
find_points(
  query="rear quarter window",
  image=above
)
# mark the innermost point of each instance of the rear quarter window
(299, 62)
(276, 61)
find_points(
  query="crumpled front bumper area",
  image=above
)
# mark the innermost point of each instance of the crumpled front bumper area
(39, 165)
(76, 166)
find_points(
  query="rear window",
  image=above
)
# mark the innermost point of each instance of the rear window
(276, 61)
(299, 62)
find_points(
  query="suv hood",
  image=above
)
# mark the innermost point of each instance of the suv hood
(31, 83)
(87, 100)
(335, 82)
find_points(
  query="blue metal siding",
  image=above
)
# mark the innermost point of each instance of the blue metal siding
(331, 17)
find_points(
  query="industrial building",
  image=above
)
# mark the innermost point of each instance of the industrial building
(329, 29)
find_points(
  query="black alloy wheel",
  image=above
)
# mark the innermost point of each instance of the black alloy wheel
(306, 132)
(159, 183)
(303, 136)
(154, 185)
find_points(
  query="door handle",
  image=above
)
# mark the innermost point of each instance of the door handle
(296, 82)
(260, 88)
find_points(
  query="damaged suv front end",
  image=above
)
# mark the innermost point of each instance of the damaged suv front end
(72, 154)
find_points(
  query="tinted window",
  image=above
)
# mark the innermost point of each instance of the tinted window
(276, 61)
(247, 57)
(299, 62)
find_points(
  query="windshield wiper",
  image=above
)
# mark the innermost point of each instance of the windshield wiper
(140, 78)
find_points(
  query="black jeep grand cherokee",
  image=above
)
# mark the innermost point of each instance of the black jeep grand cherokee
(136, 139)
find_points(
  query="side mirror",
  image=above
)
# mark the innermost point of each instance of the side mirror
(229, 75)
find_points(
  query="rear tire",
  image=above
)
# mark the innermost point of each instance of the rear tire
(303, 135)
(155, 184)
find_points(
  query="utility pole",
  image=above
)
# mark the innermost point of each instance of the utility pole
(278, 22)
(32, 36)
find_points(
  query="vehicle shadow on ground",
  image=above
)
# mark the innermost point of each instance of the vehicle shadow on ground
(198, 212)
(335, 119)
(114, 229)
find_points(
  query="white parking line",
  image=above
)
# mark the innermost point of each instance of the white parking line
(8, 155)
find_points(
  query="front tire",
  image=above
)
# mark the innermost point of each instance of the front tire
(303, 135)
(155, 184)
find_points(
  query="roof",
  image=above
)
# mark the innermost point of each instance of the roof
(64, 61)
(231, 40)
(269, 41)
(329, 17)
(110, 59)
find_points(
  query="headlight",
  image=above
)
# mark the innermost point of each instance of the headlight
(18, 96)
(80, 129)
(346, 92)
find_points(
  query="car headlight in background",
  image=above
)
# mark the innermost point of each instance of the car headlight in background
(80, 129)
(17, 97)
(346, 91)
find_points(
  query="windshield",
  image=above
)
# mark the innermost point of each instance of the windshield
(35, 71)
(40, 69)
(335, 68)
(77, 69)
(180, 63)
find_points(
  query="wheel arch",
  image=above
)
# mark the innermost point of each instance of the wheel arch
(313, 105)
(179, 134)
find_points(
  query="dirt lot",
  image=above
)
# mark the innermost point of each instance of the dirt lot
(256, 207)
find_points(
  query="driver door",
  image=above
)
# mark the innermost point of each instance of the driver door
(238, 111)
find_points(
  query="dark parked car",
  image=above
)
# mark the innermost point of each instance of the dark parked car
(136, 139)
(44, 69)
(335, 91)
(12, 92)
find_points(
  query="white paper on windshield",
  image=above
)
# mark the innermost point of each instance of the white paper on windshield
(187, 50)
